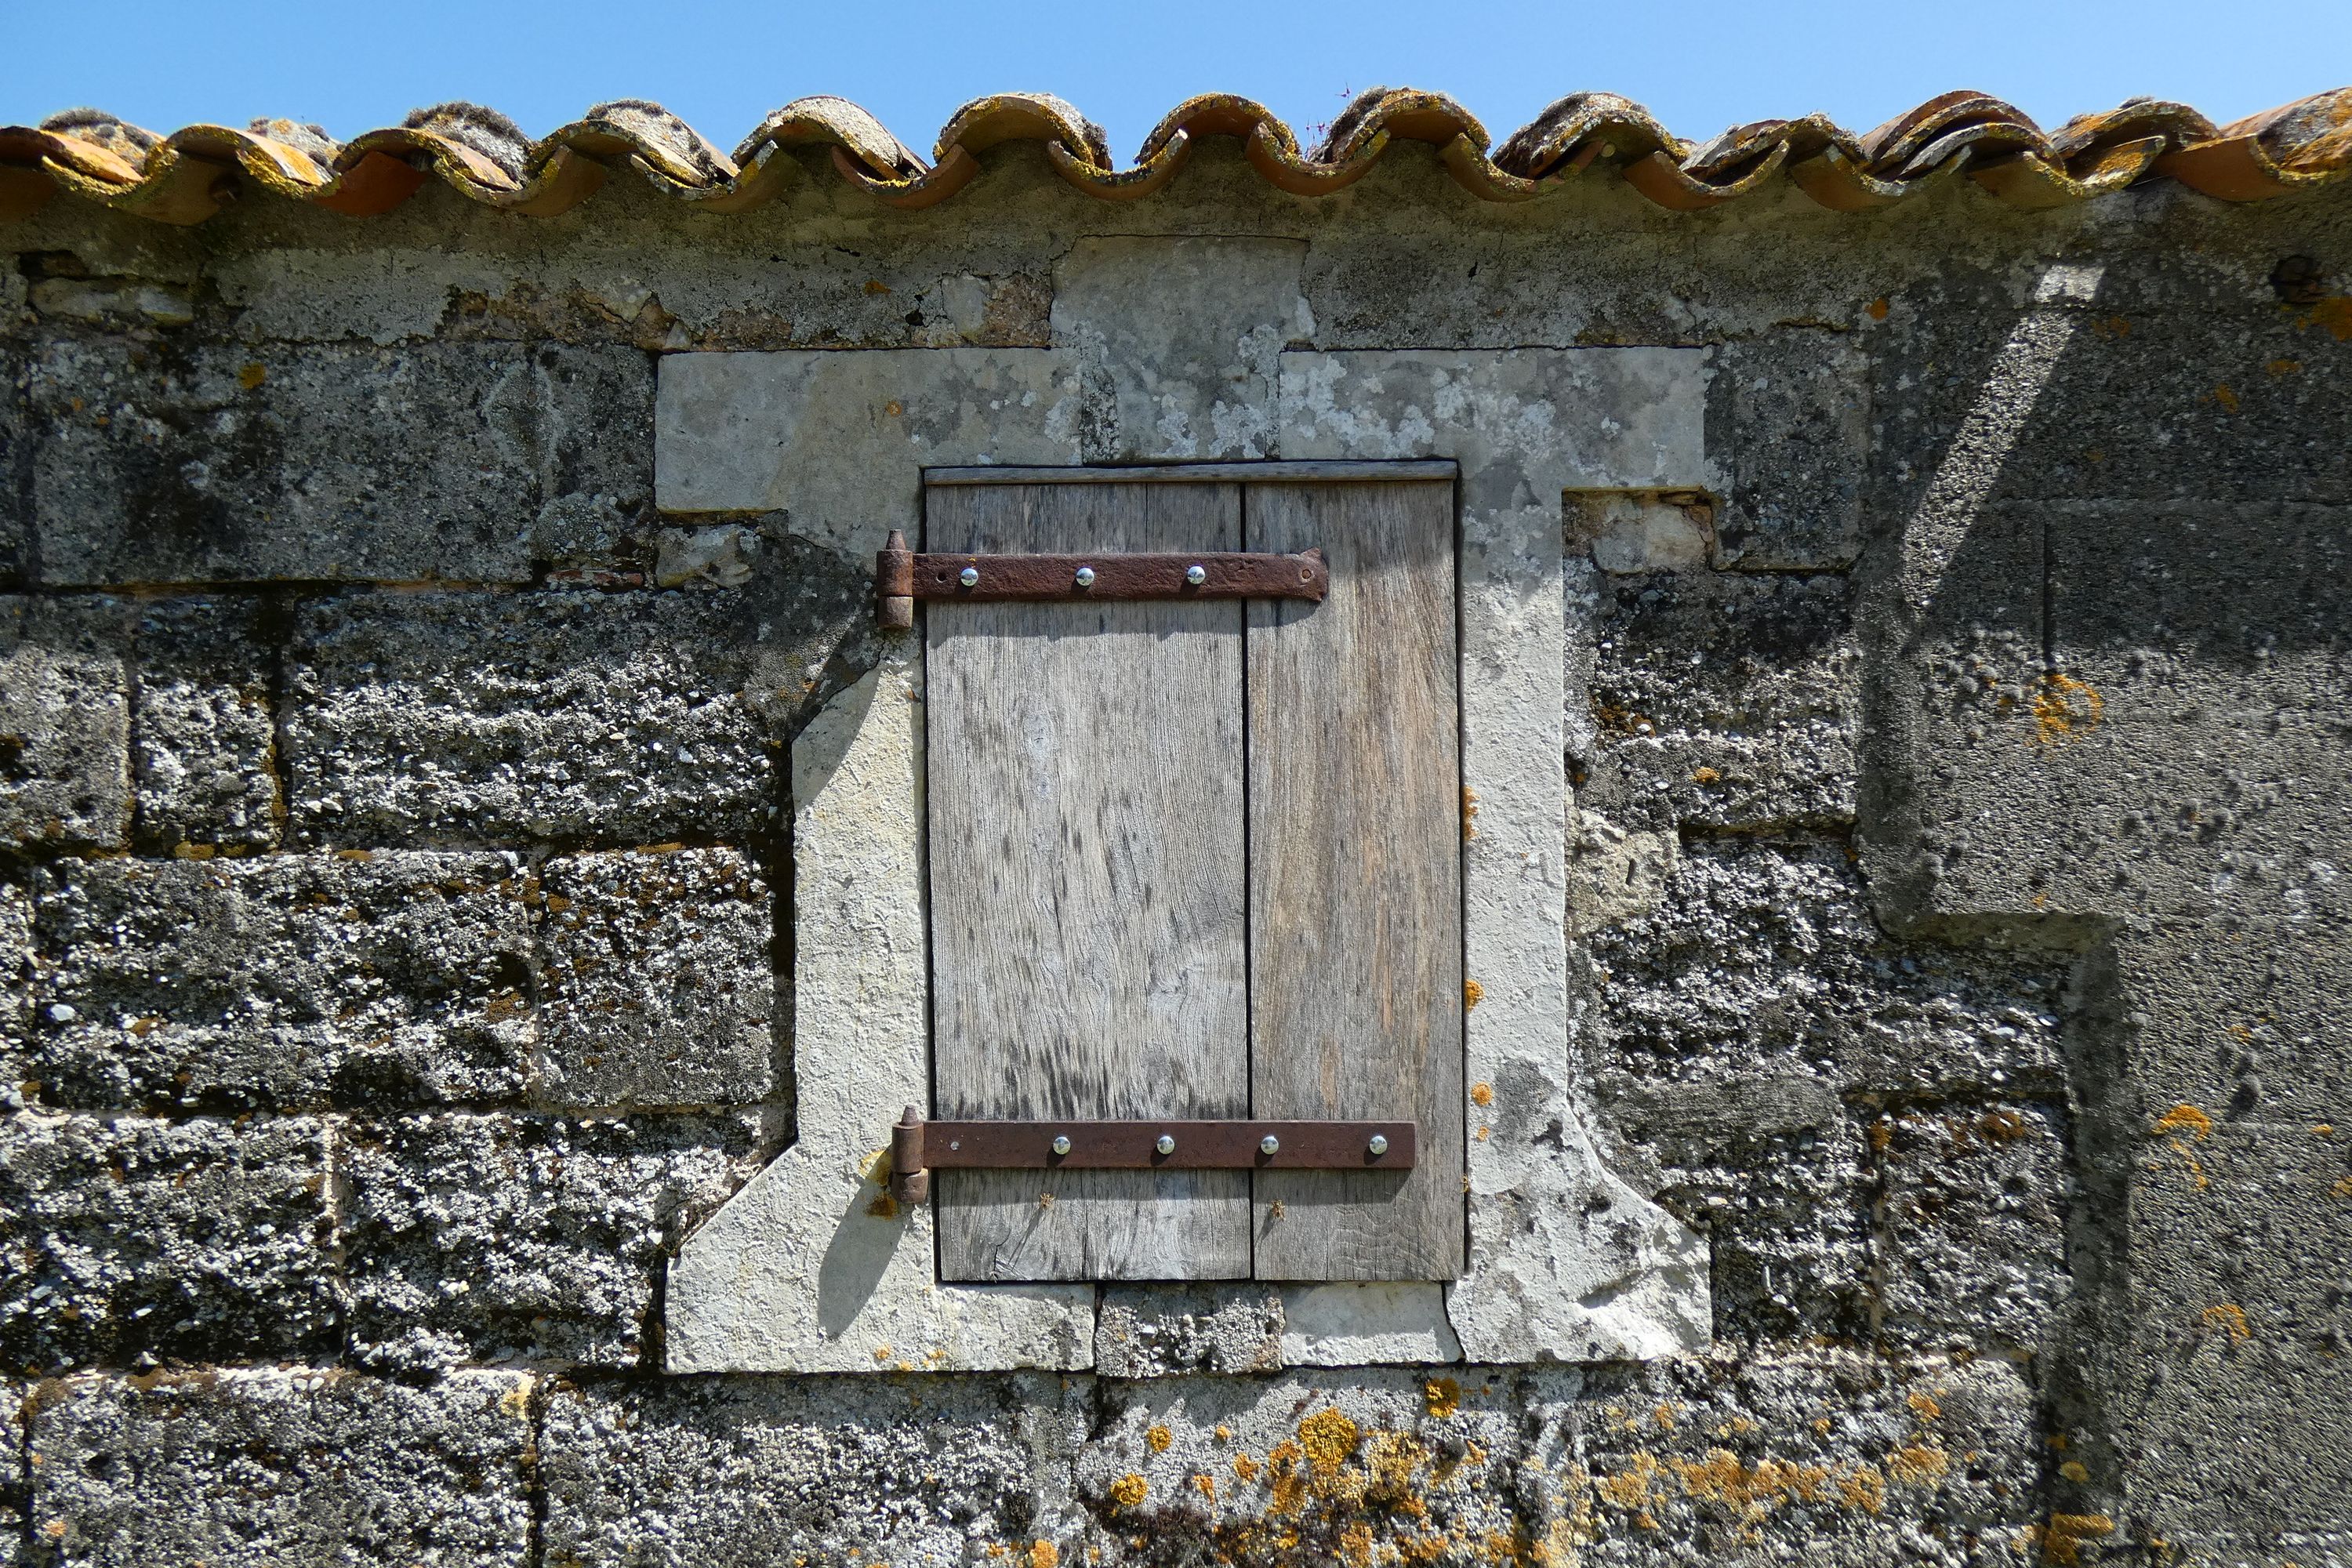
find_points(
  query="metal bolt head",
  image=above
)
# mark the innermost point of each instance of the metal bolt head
(1086, 576)
(1378, 1145)
(1062, 1145)
(1196, 575)
(969, 576)
(1166, 1145)
(1268, 1144)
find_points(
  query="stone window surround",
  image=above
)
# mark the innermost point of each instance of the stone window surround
(810, 1268)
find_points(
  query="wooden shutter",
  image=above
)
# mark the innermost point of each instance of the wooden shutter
(1200, 860)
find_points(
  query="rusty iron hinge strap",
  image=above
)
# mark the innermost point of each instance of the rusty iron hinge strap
(901, 576)
(918, 1147)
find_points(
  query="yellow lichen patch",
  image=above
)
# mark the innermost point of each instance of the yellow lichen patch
(1863, 1490)
(1158, 1439)
(1224, 1434)
(1482, 1094)
(2323, 1130)
(1469, 814)
(1472, 993)
(1328, 1438)
(1631, 1488)
(1665, 1416)
(2231, 1319)
(1356, 1544)
(2065, 709)
(2283, 366)
(1206, 1485)
(2062, 1538)
(2184, 1118)
(2334, 313)
(1705, 775)
(1918, 1466)
(1721, 1477)
(1440, 1396)
(1244, 1468)
(252, 375)
(1923, 1404)
(1876, 310)
(2226, 397)
(1129, 1490)
(2004, 1126)
(2076, 1470)
(881, 1352)
(1043, 1555)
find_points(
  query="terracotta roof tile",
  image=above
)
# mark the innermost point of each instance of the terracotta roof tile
(185, 177)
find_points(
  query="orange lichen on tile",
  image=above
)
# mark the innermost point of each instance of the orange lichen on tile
(2065, 709)
(1129, 1490)
(1472, 993)
(1158, 1439)
(1482, 1094)
(1440, 1396)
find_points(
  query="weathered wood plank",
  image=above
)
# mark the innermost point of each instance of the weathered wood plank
(1088, 933)
(1355, 803)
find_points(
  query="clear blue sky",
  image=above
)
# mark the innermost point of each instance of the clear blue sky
(1700, 67)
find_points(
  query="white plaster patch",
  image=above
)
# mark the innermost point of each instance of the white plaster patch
(1178, 340)
(810, 1268)
(838, 440)
(1367, 1325)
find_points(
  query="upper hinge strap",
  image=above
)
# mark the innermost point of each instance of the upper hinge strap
(900, 577)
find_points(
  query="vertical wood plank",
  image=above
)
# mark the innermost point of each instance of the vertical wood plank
(1088, 929)
(1355, 804)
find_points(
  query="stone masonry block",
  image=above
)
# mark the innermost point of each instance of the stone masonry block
(167, 464)
(1793, 410)
(1723, 702)
(2239, 1018)
(16, 1543)
(16, 452)
(1307, 1467)
(199, 1239)
(351, 978)
(65, 716)
(472, 1238)
(2222, 404)
(1829, 1460)
(743, 1472)
(1972, 1217)
(2233, 1399)
(618, 718)
(16, 995)
(1163, 1330)
(1772, 1171)
(2202, 614)
(204, 734)
(1762, 959)
(658, 982)
(274, 1468)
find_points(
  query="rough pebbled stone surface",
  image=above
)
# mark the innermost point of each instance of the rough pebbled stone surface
(350, 978)
(478, 1237)
(161, 462)
(1763, 957)
(204, 736)
(200, 1239)
(260, 1469)
(1835, 1459)
(611, 718)
(1719, 701)
(1773, 1172)
(1160, 1330)
(65, 721)
(656, 980)
(736, 1472)
(1304, 1468)
(1973, 1202)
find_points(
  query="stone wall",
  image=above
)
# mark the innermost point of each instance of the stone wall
(395, 926)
